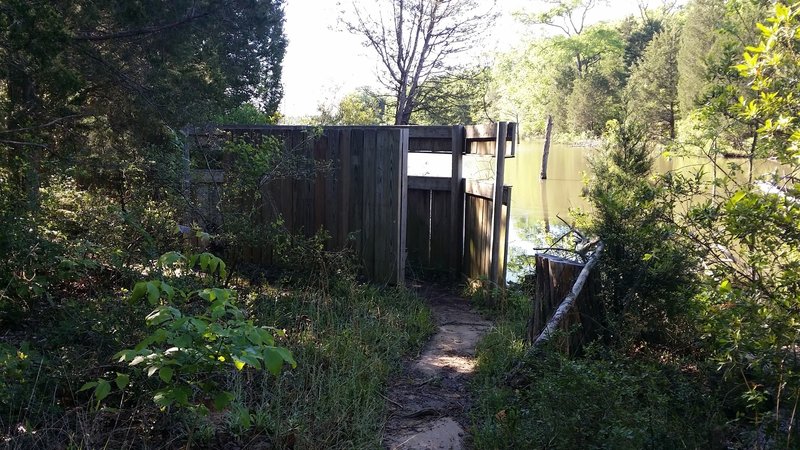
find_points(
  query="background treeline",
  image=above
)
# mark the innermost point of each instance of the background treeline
(660, 65)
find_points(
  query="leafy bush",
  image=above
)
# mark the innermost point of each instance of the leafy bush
(198, 346)
(648, 276)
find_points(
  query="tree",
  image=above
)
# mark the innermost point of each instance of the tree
(714, 36)
(459, 98)
(653, 84)
(418, 40)
(748, 234)
(90, 86)
(360, 107)
(569, 16)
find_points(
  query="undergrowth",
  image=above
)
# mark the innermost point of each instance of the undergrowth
(603, 399)
(347, 338)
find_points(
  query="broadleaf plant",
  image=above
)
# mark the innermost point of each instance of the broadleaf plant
(189, 352)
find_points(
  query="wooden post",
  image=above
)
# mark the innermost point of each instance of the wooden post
(456, 200)
(545, 207)
(547, 133)
(402, 252)
(497, 220)
(507, 226)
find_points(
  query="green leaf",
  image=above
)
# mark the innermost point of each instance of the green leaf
(165, 373)
(222, 271)
(87, 386)
(200, 325)
(273, 360)
(102, 390)
(647, 257)
(139, 289)
(725, 287)
(168, 290)
(224, 294)
(163, 398)
(251, 360)
(168, 259)
(207, 294)
(737, 197)
(287, 356)
(182, 341)
(222, 400)
(181, 394)
(253, 336)
(153, 293)
(122, 380)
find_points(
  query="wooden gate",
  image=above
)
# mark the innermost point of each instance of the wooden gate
(453, 225)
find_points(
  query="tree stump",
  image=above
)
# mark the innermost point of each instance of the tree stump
(555, 277)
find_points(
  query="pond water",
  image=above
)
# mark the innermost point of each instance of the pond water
(536, 204)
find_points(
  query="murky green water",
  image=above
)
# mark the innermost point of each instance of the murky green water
(537, 204)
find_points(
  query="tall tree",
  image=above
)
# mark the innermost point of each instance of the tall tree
(88, 86)
(653, 84)
(416, 40)
(569, 16)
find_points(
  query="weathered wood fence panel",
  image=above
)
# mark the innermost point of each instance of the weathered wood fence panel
(430, 232)
(478, 230)
(349, 182)
(364, 200)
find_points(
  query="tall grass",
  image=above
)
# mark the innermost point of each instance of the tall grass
(347, 337)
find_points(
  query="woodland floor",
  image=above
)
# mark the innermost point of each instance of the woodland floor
(429, 400)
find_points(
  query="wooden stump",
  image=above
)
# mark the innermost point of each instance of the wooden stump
(555, 277)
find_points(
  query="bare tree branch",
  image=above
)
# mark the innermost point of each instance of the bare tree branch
(418, 41)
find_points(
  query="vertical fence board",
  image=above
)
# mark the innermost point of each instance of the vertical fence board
(382, 215)
(368, 193)
(418, 226)
(403, 206)
(441, 231)
(332, 189)
(344, 172)
(391, 205)
(321, 184)
(357, 189)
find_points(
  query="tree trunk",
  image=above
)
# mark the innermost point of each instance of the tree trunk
(546, 154)
(561, 302)
(25, 159)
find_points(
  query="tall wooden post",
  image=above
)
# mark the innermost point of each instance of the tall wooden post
(548, 131)
(456, 199)
(497, 220)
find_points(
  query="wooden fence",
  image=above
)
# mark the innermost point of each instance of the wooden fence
(365, 200)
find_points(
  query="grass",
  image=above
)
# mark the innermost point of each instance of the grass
(347, 337)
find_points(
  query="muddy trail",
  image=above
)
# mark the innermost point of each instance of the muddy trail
(429, 401)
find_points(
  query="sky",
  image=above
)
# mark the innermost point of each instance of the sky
(324, 62)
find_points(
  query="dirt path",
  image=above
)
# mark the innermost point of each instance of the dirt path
(429, 401)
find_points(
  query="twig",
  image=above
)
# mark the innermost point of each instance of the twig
(391, 401)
